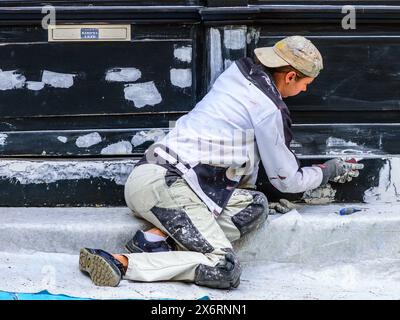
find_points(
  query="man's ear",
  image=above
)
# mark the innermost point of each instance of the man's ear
(290, 76)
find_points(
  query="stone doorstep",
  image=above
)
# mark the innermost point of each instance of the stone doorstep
(311, 253)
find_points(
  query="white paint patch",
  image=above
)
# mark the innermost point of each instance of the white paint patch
(123, 75)
(3, 138)
(142, 94)
(235, 39)
(337, 142)
(295, 144)
(58, 80)
(144, 136)
(348, 152)
(35, 172)
(216, 63)
(183, 54)
(88, 140)
(321, 195)
(253, 35)
(62, 139)
(35, 85)
(227, 63)
(11, 80)
(17, 166)
(388, 189)
(122, 147)
(181, 78)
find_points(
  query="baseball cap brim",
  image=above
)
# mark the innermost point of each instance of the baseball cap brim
(269, 58)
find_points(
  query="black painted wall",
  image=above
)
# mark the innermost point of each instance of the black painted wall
(358, 89)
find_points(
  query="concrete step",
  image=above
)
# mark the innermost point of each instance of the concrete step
(317, 235)
(66, 230)
(313, 235)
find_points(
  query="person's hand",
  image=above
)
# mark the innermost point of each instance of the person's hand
(283, 206)
(338, 170)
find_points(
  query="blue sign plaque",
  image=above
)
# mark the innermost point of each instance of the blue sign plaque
(89, 33)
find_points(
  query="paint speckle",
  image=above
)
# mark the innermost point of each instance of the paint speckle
(123, 75)
(337, 142)
(183, 54)
(144, 136)
(58, 80)
(181, 78)
(35, 85)
(88, 140)
(3, 138)
(122, 147)
(11, 80)
(235, 39)
(62, 139)
(142, 94)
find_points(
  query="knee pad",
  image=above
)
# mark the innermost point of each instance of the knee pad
(225, 275)
(253, 215)
(261, 200)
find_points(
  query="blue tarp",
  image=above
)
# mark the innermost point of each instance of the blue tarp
(43, 295)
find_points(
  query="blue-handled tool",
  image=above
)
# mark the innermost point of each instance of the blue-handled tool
(349, 210)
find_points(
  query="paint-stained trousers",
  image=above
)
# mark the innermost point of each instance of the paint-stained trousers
(204, 242)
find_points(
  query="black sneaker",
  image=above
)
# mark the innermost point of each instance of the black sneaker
(103, 268)
(139, 244)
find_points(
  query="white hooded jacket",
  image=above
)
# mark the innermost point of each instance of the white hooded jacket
(217, 146)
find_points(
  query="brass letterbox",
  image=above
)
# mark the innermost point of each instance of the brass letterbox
(89, 32)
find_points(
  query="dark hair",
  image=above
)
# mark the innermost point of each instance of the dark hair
(284, 69)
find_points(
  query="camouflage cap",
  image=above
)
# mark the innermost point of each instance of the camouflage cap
(295, 51)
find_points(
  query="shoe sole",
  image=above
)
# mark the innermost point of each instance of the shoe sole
(100, 271)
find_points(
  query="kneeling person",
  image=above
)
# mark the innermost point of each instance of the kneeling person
(195, 184)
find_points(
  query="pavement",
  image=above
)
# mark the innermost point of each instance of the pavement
(309, 253)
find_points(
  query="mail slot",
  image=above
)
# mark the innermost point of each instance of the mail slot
(82, 32)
